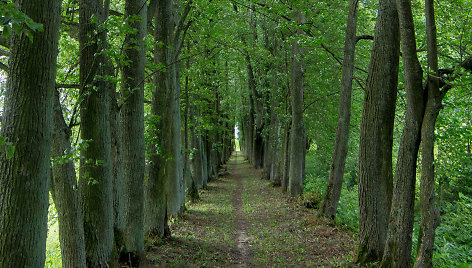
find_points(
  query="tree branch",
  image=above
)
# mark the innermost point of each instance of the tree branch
(77, 86)
(364, 37)
(4, 41)
(152, 7)
(181, 26)
(179, 47)
(338, 59)
(3, 67)
(4, 52)
(320, 98)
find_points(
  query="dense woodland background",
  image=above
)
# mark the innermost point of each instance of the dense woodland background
(116, 113)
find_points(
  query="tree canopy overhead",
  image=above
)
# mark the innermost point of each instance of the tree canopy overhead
(136, 114)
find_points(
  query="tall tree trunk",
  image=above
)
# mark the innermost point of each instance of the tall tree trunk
(249, 137)
(271, 157)
(376, 137)
(156, 188)
(132, 125)
(165, 191)
(398, 245)
(196, 144)
(335, 181)
(95, 184)
(190, 180)
(430, 217)
(297, 134)
(26, 122)
(117, 174)
(285, 165)
(64, 193)
(205, 174)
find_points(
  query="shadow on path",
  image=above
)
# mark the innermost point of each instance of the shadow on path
(241, 221)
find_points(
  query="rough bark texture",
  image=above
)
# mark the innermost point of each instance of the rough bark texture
(190, 182)
(65, 195)
(285, 167)
(26, 122)
(249, 137)
(116, 158)
(430, 217)
(95, 184)
(398, 245)
(271, 157)
(333, 190)
(205, 174)
(132, 125)
(155, 193)
(297, 134)
(196, 163)
(165, 190)
(376, 137)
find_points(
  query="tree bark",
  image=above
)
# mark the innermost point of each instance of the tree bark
(376, 136)
(116, 158)
(297, 134)
(132, 125)
(190, 180)
(398, 245)
(165, 190)
(285, 165)
(26, 122)
(95, 184)
(64, 193)
(333, 190)
(430, 217)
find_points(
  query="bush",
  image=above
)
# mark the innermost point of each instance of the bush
(348, 208)
(453, 236)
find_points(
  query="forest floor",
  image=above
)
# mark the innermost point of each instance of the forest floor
(240, 220)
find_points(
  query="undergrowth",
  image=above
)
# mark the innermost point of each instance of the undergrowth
(453, 242)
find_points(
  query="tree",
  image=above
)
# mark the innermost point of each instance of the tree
(165, 191)
(398, 244)
(430, 217)
(376, 137)
(26, 123)
(95, 183)
(132, 126)
(333, 190)
(64, 192)
(297, 131)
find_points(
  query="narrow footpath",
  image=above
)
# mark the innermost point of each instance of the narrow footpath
(241, 221)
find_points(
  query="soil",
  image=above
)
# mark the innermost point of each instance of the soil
(242, 238)
(242, 221)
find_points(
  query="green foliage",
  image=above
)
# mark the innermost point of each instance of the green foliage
(348, 208)
(7, 147)
(453, 236)
(315, 186)
(53, 249)
(12, 19)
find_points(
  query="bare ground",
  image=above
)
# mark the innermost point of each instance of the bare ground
(241, 221)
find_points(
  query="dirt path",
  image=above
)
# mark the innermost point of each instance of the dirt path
(242, 221)
(242, 238)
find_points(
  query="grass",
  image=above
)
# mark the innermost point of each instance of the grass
(453, 242)
(53, 248)
(286, 234)
(203, 236)
(281, 233)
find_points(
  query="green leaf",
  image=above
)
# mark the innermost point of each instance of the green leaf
(6, 31)
(9, 149)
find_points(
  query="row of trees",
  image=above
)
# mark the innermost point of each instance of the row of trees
(386, 198)
(88, 110)
(142, 97)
